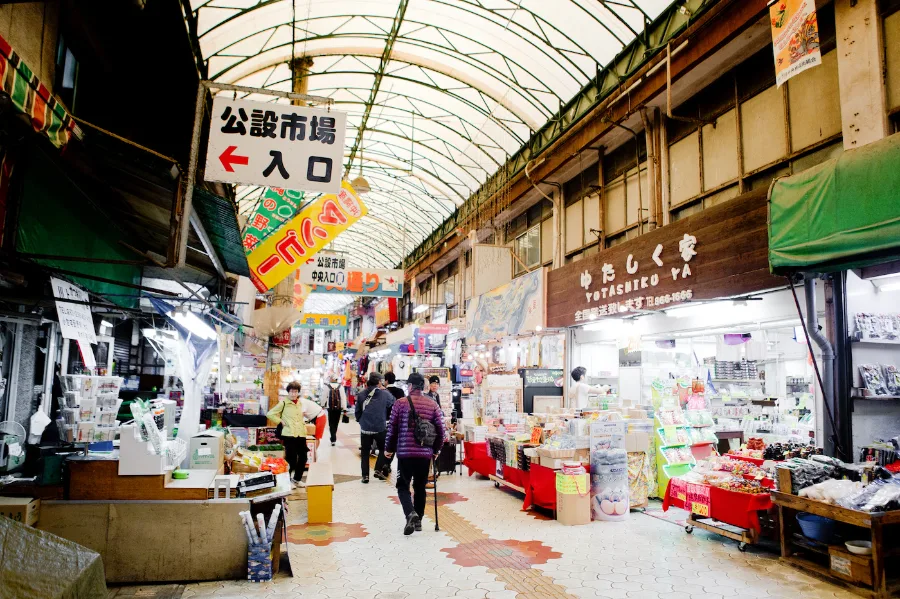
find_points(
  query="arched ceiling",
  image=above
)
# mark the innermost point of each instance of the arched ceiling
(438, 93)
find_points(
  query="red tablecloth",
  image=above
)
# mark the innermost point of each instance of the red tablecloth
(730, 507)
(516, 477)
(541, 489)
(477, 459)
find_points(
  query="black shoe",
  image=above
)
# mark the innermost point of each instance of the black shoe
(412, 521)
(365, 480)
(418, 524)
(379, 475)
(332, 443)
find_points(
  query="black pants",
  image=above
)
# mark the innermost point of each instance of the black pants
(366, 442)
(415, 471)
(295, 452)
(334, 419)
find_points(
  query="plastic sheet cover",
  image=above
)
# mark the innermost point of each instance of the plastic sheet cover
(841, 214)
(39, 565)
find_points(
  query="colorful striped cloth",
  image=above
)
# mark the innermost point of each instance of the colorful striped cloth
(30, 96)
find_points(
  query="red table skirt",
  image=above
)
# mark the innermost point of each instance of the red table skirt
(477, 459)
(541, 490)
(730, 507)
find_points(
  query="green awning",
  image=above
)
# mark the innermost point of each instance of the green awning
(841, 214)
(219, 218)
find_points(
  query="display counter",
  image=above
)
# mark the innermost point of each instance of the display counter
(731, 507)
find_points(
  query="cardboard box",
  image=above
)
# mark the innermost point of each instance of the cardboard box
(639, 414)
(582, 455)
(637, 442)
(240, 468)
(207, 451)
(573, 510)
(554, 463)
(21, 509)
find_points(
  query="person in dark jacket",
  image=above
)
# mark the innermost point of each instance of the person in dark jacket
(335, 407)
(391, 379)
(413, 460)
(434, 383)
(372, 408)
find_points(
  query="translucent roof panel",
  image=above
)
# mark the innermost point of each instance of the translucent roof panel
(465, 84)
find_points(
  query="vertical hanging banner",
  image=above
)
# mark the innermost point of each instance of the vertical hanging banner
(795, 37)
(312, 229)
(277, 207)
(275, 145)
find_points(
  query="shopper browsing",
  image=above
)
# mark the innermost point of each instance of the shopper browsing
(416, 434)
(373, 406)
(290, 414)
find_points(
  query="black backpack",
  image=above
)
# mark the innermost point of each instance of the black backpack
(424, 431)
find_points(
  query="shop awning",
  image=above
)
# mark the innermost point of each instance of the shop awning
(32, 97)
(843, 213)
(219, 218)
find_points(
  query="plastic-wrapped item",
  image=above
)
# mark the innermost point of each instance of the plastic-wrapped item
(891, 378)
(879, 496)
(872, 377)
(831, 491)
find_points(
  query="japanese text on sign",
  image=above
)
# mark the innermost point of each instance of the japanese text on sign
(275, 145)
(75, 320)
(314, 227)
(325, 268)
(376, 282)
(634, 282)
(323, 321)
(276, 208)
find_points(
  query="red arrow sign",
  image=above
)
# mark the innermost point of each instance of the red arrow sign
(228, 158)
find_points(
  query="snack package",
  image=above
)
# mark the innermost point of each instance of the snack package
(873, 379)
(891, 378)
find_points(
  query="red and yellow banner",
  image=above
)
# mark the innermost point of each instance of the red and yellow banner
(795, 37)
(282, 253)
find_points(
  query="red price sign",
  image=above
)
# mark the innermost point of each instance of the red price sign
(536, 433)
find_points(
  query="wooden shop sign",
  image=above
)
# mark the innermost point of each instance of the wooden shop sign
(720, 252)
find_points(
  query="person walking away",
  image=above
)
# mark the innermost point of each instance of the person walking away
(391, 379)
(291, 413)
(372, 409)
(335, 407)
(348, 382)
(407, 436)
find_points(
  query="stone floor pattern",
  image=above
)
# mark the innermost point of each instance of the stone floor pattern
(488, 548)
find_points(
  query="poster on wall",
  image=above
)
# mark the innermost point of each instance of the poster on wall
(795, 37)
(508, 310)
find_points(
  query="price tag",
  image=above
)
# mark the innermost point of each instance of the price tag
(536, 432)
(701, 509)
(669, 432)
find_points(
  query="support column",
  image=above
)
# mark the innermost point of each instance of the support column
(300, 68)
(860, 72)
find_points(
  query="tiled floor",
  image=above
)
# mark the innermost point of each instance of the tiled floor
(488, 548)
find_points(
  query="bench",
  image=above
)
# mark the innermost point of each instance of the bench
(319, 490)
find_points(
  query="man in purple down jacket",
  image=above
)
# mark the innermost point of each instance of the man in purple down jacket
(413, 460)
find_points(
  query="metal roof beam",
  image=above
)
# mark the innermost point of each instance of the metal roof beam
(379, 74)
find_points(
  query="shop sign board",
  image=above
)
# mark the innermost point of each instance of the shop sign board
(303, 236)
(434, 329)
(386, 311)
(512, 309)
(720, 252)
(542, 377)
(75, 320)
(325, 268)
(276, 207)
(319, 341)
(795, 37)
(374, 282)
(275, 145)
(323, 321)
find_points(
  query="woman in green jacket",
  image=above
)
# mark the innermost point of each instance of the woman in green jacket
(292, 413)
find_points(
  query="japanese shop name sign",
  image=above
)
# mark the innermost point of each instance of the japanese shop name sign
(323, 321)
(317, 225)
(325, 268)
(276, 208)
(627, 287)
(375, 282)
(75, 320)
(276, 145)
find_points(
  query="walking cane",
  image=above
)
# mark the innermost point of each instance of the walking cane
(434, 468)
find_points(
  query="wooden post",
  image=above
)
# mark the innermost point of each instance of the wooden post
(879, 580)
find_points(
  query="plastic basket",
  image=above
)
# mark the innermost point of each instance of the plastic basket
(816, 527)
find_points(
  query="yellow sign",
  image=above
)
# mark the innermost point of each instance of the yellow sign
(339, 346)
(322, 321)
(795, 37)
(282, 253)
(701, 509)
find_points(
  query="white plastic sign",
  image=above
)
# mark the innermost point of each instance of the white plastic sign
(75, 320)
(276, 145)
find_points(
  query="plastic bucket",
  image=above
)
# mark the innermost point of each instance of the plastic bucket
(815, 527)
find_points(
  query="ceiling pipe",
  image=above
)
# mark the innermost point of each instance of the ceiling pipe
(559, 231)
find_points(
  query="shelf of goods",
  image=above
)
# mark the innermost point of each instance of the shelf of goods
(729, 513)
(682, 437)
(865, 575)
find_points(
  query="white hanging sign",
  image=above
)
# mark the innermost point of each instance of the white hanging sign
(75, 320)
(276, 145)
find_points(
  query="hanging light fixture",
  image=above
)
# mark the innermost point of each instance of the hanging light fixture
(360, 184)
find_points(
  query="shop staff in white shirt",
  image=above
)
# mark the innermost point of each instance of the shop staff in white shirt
(578, 392)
